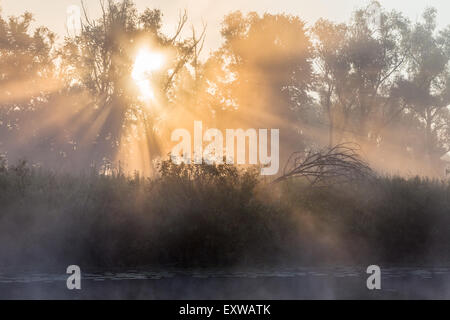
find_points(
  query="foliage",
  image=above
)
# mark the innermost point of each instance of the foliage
(208, 216)
(381, 85)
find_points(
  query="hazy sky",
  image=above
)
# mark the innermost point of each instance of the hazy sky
(52, 13)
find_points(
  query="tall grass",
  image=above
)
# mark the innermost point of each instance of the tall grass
(216, 216)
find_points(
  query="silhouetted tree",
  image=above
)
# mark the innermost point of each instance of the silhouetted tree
(425, 88)
(100, 60)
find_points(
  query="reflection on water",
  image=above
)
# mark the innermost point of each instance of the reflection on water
(301, 283)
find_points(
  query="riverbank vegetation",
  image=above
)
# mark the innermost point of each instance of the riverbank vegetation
(217, 216)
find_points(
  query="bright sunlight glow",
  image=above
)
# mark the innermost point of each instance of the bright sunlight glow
(145, 64)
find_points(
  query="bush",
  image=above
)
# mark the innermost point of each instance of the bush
(216, 216)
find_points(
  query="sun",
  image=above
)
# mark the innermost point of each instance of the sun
(146, 63)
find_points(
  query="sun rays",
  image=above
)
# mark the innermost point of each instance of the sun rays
(146, 63)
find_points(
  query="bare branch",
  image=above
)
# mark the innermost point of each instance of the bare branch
(337, 164)
(191, 50)
(86, 18)
(181, 23)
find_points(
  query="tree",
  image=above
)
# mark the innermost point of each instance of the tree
(425, 88)
(100, 60)
(262, 74)
(358, 64)
(27, 80)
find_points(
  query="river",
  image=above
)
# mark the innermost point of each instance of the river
(301, 283)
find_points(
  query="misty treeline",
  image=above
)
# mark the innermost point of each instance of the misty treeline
(379, 80)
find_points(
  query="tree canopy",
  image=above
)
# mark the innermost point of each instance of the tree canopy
(379, 80)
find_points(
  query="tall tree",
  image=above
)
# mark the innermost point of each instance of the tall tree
(101, 58)
(27, 79)
(425, 88)
(263, 73)
(357, 68)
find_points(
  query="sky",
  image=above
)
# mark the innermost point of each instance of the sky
(53, 13)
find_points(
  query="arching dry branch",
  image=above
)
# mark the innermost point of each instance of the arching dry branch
(338, 164)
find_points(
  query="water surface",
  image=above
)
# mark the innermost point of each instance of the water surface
(301, 283)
